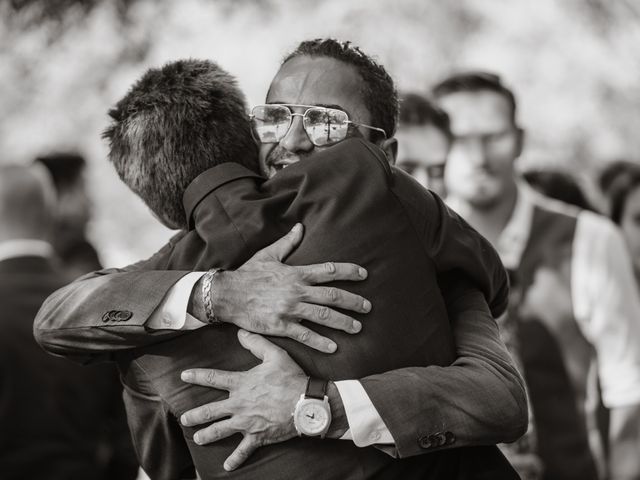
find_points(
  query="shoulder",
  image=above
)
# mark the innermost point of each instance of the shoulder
(598, 229)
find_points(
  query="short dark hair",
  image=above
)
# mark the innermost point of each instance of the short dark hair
(476, 82)
(609, 174)
(378, 91)
(417, 110)
(174, 123)
(66, 168)
(620, 189)
(559, 185)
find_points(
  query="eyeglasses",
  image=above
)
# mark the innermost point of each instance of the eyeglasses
(434, 172)
(489, 141)
(324, 126)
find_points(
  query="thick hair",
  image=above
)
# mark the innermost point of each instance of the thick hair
(609, 174)
(378, 91)
(66, 168)
(559, 186)
(476, 82)
(620, 189)
(174, 123)
(416, 110)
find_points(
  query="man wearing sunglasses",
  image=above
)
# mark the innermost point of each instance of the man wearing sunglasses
(325, 91)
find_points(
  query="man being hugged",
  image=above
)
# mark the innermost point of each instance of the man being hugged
(393, 224)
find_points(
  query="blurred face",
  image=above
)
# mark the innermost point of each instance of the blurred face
(480, 168)
(422, 152)
(630, 225)
(314, 81)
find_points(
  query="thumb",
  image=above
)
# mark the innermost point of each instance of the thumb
(257, 344)
(282, 248)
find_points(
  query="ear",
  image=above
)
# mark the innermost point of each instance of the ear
(521, 138)
(390, 148)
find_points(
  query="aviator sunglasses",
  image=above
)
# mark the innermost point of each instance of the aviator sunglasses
(324, 126)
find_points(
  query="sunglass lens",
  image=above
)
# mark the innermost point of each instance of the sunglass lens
(271, 122)
(325, 126)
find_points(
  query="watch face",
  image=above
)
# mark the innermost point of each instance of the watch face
(312, 418)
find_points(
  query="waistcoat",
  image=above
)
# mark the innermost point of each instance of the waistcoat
(555, 354)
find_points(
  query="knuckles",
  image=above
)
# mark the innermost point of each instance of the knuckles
(303, 336)
(210, 377)
(322, 312)
(332, 294)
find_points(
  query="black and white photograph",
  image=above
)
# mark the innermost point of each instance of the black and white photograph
(320, 239)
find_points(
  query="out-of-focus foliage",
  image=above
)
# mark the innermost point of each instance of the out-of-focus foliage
(574, 65)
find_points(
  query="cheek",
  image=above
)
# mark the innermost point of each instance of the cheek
(264, 150)
(502, 156)
(456, 161)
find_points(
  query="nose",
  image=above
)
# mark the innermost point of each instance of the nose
(296, 139)
(474, 150)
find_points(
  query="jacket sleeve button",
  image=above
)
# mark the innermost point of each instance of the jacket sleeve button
(439, 439)
(425, 442)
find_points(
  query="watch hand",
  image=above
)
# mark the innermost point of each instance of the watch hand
(311, 416)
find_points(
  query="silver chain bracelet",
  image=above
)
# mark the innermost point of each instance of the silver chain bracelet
(207, 283)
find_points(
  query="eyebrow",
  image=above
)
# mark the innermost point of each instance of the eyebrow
(325, 105)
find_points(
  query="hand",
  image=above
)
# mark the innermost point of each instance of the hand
(268, 297)
(260, 404)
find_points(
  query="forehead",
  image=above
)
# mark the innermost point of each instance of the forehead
(319, 81)
(476, 112)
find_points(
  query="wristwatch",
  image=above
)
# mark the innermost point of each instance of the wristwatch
(312, 416)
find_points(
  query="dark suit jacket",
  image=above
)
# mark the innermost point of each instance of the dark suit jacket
(235, 213)
(57, 419)
(483, 402)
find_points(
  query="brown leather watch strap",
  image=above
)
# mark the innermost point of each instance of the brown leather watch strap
(316, 388)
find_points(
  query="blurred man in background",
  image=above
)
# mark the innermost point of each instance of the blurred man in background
(71, 214)
(58, 420)
(579, 307)
(424, 139)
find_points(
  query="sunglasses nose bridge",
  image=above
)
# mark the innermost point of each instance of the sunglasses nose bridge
(296, 138)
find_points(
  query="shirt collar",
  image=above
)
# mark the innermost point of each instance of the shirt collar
(514, 237)
(25, 247)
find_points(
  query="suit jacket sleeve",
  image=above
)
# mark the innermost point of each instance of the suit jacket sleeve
(478, 400)
(106, 311)
(452, 243)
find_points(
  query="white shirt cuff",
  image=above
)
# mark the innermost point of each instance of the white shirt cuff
(172, 314)
(365, 424)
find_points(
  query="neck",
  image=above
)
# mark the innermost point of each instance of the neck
(489, 220)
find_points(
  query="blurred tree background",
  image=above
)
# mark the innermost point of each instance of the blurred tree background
(574, 65)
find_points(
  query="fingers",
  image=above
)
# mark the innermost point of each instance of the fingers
(330, 271)
(335, 297)
(309, 338)
(216, 431)
(282, 248)
(206, 413)
(330, 318)
(258, 345)
(209, 377)
(240, 455)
